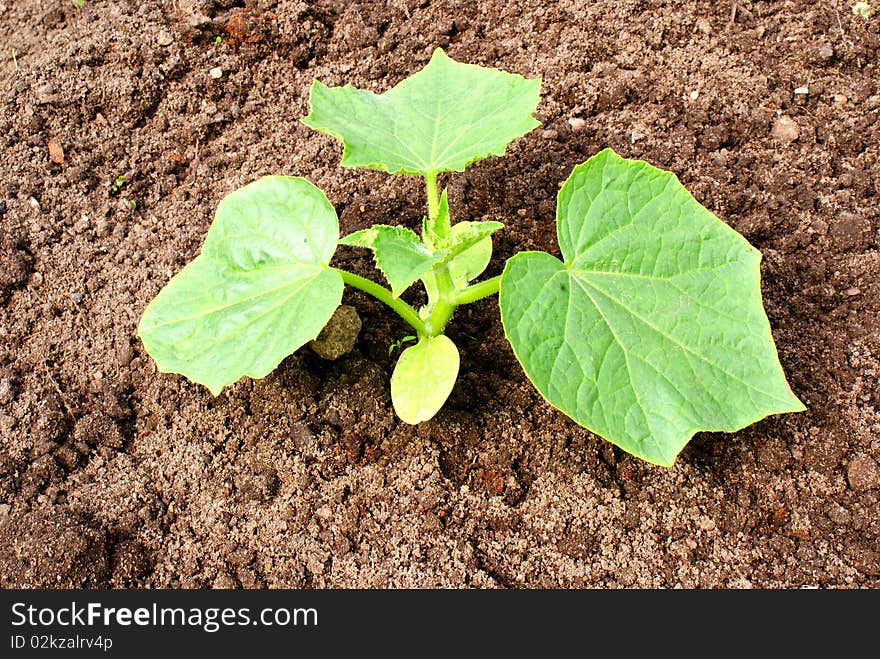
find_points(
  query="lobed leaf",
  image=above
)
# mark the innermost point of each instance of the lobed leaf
(398, 251)
(653, 326)
(260, 289)
(442, 118)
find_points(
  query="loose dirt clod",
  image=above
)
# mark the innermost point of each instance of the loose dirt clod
(16, 264)
(52, 548)
(339, 335)
(164, 38)
(863, 473)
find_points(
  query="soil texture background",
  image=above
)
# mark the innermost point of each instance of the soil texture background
(123, 124)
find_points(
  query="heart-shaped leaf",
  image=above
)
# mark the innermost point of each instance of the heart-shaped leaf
(423, 378)
(443, 118)
(653, 327)
(260, 289)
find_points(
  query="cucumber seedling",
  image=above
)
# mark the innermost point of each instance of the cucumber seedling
(648, 328)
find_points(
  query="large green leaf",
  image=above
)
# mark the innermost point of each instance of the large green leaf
(423, 378)
(260, 289)
(442, 118)
(653, 327)
(398, 251)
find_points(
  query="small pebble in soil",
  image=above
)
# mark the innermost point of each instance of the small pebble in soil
(802, 91)
(164, 38)
(339, 335)
(216, 73)
(863, 473)
(56, 155)
(225, 582)
(124, 355)
(577, 123)
(549, 134)
(77, 298)
(7, 391)
(785, 129)
(45, 94)
(826, 52)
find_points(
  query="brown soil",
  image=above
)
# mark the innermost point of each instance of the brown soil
(114, 475)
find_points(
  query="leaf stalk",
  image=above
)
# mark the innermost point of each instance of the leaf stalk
(479, 291)
(446, 302)
(382, 294)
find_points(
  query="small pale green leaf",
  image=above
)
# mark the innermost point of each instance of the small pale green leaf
(399, 253)
(468, 249)
(260, 289)
(423, 378)
(443, 118)
(467, 252)
(653, 328)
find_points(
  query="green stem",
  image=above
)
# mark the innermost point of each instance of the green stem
(479, 291)
(445, 305)
(382, 294)
(433, 195)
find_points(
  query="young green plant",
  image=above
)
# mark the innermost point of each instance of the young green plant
(648, 329)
